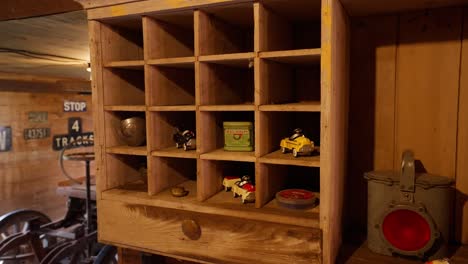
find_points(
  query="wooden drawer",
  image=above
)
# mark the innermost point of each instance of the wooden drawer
(208, 238)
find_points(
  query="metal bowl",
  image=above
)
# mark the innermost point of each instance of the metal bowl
(133, 131)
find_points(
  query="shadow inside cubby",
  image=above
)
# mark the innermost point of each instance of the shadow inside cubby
(169, 35)
(123, 87)
(168, 172)
(282, 83)
(122, 39)
(226, 29)
(288, 26)
(113, 123)
(273, 178)
(164, 125)
(275, 126)
(170, 85)
(126, 172)
(226, 84)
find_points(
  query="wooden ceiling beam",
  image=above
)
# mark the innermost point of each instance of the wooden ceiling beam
(15, 9)
(14, 82)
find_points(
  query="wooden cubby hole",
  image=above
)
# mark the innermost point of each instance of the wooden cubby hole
(226, 82)
(170, 85)
(224, 29)
(211, 174)
(169, 35)
(167, 172)
(124, 87)
(272, 178)
(163, 124)
(272, 127)
(114, 143)
(288, 84)
(283, 26)
(211, 135)
(122, 41)
(124, 172)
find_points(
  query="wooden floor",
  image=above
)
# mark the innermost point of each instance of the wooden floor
(352, 254)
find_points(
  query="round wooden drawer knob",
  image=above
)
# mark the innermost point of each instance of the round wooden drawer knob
(191, 229)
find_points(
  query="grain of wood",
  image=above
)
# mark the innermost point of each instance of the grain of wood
(333, 148)
(461, 208)
(369, 7)
(427, 88)
(274, 243)
(30, 172)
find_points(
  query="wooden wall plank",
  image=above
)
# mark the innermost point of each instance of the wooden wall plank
(462, 144)
(369, 7)
(144, 7)
(334, 110)
(428, 64)
(30, 172)
(15, 9)
(372, 111)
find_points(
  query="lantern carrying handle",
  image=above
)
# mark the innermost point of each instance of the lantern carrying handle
(407, 177)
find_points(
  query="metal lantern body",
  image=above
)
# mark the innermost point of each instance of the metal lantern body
(409, 214)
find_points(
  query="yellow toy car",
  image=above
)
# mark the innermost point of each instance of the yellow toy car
(298, 144)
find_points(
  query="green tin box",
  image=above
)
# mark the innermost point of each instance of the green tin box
(238, 136)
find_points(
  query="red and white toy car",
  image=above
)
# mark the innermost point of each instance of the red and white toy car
(240, 186)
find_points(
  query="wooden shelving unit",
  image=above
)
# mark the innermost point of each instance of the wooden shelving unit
(194, 66)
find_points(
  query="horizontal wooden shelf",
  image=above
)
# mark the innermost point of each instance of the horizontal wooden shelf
(271, 211)
(288, 159)
(125, 108)
(130, 64)
(221, 203)
(173, 108)
(182, 62)
(300, 57)
(243, 60)
(293, 107)
(174, 152)
(239, 107)
(221, 154)
(127, 150)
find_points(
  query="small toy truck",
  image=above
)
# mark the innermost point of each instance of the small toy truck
(185, 139)
(298, 144)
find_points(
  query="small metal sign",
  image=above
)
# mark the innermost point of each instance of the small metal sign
(83, 139)
(36, 133)
(74, 125)
(5, 138)
(73, 106)
(37, 117)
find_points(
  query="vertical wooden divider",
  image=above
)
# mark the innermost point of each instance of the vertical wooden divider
(150, 129)
(259, 168)
(98, 106)
(334, 124)
(461, 207)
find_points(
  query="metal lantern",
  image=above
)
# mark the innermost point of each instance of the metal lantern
(409, 213)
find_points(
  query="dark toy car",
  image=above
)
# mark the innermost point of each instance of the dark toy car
(185, 139)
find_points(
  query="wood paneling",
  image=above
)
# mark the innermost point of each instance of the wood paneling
(368, 7)
(15, 9)
(29, 173)
(428, 65)
(334, 124)
(408, 92)
(272, 243)
(462, 147)
(371, 129)
(54, 45)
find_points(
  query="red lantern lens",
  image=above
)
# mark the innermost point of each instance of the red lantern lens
(406, 230)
